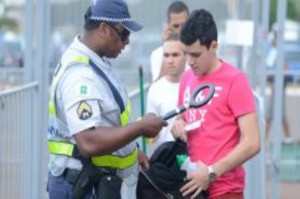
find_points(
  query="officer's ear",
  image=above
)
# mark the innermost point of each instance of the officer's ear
(104, 29)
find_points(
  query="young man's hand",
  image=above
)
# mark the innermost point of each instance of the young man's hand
(168, 30)
(178, 130)
(197, 181)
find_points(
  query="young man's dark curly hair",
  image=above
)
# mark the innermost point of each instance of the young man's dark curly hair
(201, 26)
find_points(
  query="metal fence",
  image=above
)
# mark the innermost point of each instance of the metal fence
(16, 140)
(10, 77)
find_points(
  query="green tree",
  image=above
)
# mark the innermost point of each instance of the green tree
(292, 12)
(7, 24)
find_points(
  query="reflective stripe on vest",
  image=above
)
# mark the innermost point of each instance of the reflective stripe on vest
(67, 149)
(61, 70)
(123, 162)
(125, 116)
(113, 161)
(61, 148)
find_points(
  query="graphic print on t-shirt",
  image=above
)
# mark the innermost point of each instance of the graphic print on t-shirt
(196, 116)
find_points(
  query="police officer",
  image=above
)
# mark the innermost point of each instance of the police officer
(89, 138)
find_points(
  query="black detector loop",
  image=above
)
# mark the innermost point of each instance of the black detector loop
(193, 103)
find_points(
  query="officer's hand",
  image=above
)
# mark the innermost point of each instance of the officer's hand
(152, 125)
(143, 160)
(178, 130)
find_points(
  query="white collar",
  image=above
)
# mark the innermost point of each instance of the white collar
(79, 46)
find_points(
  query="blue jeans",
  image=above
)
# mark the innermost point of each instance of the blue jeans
(60, 188)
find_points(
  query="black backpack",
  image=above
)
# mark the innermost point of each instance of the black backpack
(164, 179)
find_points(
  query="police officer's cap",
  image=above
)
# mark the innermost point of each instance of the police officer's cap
(115, 11)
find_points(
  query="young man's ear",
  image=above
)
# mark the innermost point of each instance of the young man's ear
(214, 44)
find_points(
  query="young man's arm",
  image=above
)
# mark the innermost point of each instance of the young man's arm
(248, 146)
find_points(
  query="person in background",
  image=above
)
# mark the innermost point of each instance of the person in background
(224, 133)
(271, 63)
(167, 85)
(90, 138)
(177, 14)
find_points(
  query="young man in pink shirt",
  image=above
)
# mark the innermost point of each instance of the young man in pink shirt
(224, 133)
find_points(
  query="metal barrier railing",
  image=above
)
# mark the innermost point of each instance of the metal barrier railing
(16, 111)
(10, 77)
(17, 127)
(129, 188)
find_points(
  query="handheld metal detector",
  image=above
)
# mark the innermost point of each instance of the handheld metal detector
(193, 102)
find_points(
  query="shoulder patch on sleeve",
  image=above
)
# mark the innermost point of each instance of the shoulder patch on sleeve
(84, 111)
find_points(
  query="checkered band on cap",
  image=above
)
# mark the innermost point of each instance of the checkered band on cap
(109, 19)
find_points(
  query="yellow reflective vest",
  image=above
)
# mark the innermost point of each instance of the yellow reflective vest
(68, 149)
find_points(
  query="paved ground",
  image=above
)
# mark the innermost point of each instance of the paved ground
(291, 190)
(288, 190)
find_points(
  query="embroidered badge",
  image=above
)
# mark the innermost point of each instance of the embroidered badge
(84, 111)
(83, 90)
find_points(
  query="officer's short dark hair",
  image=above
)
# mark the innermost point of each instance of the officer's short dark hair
(201, 26)
(90, 24)
(177, 7)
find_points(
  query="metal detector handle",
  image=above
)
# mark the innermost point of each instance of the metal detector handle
(174, 112)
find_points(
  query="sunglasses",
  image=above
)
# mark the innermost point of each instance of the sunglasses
(123, 34)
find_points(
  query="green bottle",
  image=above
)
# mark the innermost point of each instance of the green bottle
(180, 159)
(184, 163)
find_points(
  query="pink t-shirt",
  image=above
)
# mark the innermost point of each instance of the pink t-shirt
(217, 131)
